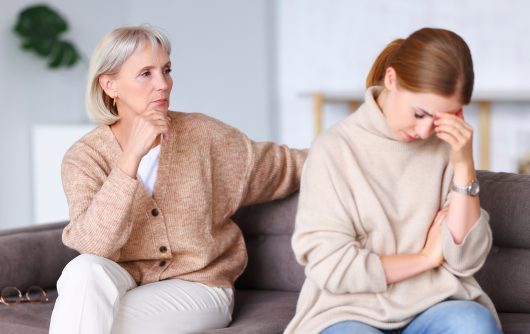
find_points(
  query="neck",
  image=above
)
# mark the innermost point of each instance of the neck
(381, 99)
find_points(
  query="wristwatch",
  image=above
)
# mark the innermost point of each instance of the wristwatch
(470, 189)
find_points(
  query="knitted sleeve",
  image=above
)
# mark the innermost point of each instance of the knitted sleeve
(99, 204)
(466, 258)
(244, 172)
(273, 172)
(325, 239)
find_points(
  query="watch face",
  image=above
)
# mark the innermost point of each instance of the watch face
(474, 189)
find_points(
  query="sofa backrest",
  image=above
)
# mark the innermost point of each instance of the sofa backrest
(272, 266)
(33, 255)
(268, 229)
(506, 274)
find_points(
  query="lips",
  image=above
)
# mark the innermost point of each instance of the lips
(161, 101)
(409, 137)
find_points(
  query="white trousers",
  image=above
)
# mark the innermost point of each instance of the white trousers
(96, 295)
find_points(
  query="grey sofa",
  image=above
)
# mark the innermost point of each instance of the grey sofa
(268, 290)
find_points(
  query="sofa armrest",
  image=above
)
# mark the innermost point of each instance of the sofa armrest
(33, 256)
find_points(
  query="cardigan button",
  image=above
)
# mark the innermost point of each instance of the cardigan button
(163, 249)
(154, 212)
(162, 263)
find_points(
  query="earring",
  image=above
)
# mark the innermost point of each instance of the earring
(114, 100)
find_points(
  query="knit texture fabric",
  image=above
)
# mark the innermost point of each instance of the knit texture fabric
(364, 195)
(206, 172)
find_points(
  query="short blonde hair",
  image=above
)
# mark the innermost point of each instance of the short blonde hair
(111, 52)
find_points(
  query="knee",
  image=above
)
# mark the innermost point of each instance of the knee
(472, 317)
(350, 326)
(82, 269)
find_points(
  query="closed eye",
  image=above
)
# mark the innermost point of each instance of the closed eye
(421, 113)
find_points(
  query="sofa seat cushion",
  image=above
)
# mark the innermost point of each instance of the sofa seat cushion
(515, 323)
(260, 312)
(256, 312)
(27, 318)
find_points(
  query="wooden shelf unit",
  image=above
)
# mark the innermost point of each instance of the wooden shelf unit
(484, 99)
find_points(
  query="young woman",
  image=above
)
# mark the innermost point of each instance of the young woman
(150, 194)
(389, 224)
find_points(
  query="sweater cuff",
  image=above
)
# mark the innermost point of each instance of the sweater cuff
(377, 276)
(466, 258)
(122, 182)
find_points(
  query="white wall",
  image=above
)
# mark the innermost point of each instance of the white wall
(32, 94)
(241, 60)
(331, 45)
(49, 144)
(222, 59)
(222, 54)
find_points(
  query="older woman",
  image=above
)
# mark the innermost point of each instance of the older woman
(150, 194)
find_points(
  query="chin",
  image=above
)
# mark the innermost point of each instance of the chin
(399, 137)
(163, 110)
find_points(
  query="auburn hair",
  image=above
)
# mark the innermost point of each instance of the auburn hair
(430, 60)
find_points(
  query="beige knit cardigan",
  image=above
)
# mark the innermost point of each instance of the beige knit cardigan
(364, 195)
(206, 172)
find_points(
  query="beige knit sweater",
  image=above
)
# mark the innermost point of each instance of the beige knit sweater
(206, 172)
(364, 195)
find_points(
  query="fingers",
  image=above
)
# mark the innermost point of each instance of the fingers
(146, 128)
(155, 121)
(433, 247)
(441, 216)
(452, 129)
(155, 116)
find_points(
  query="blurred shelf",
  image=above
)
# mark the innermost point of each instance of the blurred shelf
(484, 99)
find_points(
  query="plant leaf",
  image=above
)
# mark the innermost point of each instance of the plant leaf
(39, 27)
(40, 20)
(63, 54)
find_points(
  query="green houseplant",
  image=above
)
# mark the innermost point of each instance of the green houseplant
(40, 27)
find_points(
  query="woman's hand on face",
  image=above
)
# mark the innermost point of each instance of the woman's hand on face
(452, 129)
(145, 129)
(433, 245)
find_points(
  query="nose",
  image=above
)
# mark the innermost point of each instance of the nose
(163, 82)
(425, 129)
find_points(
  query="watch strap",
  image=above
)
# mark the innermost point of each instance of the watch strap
(467, 189)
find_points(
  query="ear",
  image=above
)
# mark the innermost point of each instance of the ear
(390, 78)
(108, 84)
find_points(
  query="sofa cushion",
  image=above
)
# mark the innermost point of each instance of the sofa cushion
(271, 265)
(26, 317)
(506, 197)
(270, 218)
(260, 312)
(271, 262)
(505, 275)
(255, 312)
(48, 256)
(515, 323)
